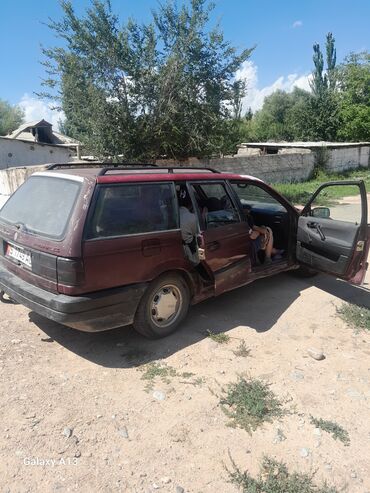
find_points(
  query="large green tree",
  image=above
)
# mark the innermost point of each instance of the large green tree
(280, 118)
(143, 91)
(354, 83)
(10, 117)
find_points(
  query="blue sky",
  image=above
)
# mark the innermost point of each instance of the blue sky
(283, 30)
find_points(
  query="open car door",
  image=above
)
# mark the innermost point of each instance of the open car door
(335, 240)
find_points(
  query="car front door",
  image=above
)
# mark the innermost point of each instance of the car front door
(224, 238)
(333, 235)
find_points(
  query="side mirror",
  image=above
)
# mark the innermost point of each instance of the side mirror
(323, 212)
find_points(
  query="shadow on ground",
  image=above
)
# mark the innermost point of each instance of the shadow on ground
(257, 306)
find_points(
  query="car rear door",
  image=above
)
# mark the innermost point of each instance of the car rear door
(333, 235)
(224, 237)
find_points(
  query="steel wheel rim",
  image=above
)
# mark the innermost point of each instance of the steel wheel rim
(165, 305)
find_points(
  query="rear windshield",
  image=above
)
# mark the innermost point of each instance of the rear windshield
(42, 205)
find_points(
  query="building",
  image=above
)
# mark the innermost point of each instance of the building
(36, 143)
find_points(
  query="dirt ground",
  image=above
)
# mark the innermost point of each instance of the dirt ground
(76, 414)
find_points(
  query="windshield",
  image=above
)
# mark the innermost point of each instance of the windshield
(42, 205)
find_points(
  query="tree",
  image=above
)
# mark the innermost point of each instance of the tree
(280, 116)
(354, 84)
(10, 117)
(143, 91)
(322, 82)
(320, 118)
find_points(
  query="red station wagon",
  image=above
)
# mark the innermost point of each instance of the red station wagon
(96, 248)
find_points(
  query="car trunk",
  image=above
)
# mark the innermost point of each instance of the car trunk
(40, 231)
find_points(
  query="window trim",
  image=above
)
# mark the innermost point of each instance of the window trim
(94, 201)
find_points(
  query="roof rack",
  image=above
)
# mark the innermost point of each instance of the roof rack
(169, 169)
(106, 167)
(97, 165)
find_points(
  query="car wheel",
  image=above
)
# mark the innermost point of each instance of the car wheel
(163, 307)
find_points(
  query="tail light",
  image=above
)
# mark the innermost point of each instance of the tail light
(71, 272)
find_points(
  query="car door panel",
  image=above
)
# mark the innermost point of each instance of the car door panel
(227, 255)
(333, 246)
(330, 254)
(225, 243)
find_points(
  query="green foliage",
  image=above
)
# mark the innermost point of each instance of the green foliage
(274, 477)
(155, 370)
(137, 92)
(356, 316)
(299, 193)
(354, 81)
(301, 115)
(322, 82)
(338, 432)
(10, 117)
(220, 338)
(249, 403)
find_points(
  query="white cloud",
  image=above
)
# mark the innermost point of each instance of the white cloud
(35, 109)
(255, 95)
(297, 24)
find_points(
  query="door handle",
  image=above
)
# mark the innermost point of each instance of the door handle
(320, 231)
(318, 228)
(214, 245)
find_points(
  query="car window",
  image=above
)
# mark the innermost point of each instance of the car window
(127, 209)
(333, 202)
(215, 205)
(42, 205)
(254, 197)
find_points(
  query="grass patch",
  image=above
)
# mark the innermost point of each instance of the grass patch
(220, 338)
(356, 316)
(336, 430)
(299, 193)
(274, 477)
(155, 370)
(249, 403)
(242, 350)
(186, 374)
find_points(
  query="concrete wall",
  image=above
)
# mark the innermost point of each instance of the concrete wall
(285, 167)
(12, 178)
(271, 168)
(15, 152)
(341, 159)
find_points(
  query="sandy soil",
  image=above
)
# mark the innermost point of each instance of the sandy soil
(57, 382)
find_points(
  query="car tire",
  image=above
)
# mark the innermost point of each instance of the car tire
(163, 307)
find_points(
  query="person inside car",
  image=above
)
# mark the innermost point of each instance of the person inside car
(263, 241)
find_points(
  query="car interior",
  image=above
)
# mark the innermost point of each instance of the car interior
(217, 209)
(265, 210)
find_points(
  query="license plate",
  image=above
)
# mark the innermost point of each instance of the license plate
(19, 254)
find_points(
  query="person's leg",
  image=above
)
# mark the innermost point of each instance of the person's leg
(269, 244)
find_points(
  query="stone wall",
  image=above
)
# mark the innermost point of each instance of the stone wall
(285, 167)
(271, 168)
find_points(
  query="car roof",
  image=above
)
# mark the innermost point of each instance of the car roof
(147, 174)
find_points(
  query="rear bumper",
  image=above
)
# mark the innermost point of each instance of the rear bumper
(93, 312)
